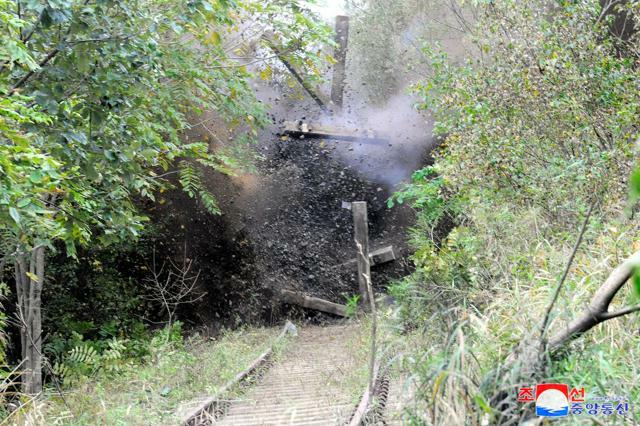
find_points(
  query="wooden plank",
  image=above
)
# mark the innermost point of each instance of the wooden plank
(382, 255)
(314, 303)
(376, 257)
(314, 131)
(361, 235)
(340, 55)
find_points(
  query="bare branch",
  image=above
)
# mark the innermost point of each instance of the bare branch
(173, 288)
(545, 322)
(621, 312)
(597, 311)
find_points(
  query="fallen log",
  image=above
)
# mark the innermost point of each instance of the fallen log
(314, 303)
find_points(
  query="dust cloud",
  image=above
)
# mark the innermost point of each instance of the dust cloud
(408, 133)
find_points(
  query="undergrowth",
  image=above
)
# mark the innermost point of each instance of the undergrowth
(467, 329)
(152, 392)
(537, 128)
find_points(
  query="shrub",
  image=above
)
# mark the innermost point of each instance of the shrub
(538, 126)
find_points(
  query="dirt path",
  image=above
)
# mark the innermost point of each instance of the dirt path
(308, 386)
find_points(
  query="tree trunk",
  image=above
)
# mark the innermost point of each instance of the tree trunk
(29, 274)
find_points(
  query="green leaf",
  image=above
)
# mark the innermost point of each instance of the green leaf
(23, 203)
(36, 176)
(636, 281)
(80, 138)
(14, 215)
(482, 403)
(635, 185)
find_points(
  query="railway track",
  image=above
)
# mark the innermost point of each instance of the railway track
(307, 387)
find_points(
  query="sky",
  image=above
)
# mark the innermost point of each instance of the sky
(328, 9)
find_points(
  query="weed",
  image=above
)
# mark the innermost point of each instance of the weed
(151, 393)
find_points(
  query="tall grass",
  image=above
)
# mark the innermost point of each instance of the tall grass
(468, 332)
(152, 393)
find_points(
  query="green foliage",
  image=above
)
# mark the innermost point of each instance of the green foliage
(441, 262)
(541, 122)
(443, 278)
(98, 295)
(191, 181)
(95, 98)
(428, 195)
(76, 359)
(600, 370)
(154, 391)
(81, 361)
(635, 186)
(555, 108)
(301, 38)
(352, 304)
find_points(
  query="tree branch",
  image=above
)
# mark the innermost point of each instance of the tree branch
(30, 74)
(597, 310)
(621, 312)
(545, 322)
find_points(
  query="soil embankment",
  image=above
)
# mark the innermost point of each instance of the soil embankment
(284, 226)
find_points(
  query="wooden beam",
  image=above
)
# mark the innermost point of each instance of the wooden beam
(376, 257)
(314, 303)
(304, 130)
(382, 255)
(361, 235)
(340, 55)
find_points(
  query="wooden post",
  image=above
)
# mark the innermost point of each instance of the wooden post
(340, 55)
(361, 235)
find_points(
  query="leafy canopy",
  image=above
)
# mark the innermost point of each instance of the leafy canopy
(551, 100)
(96, 93)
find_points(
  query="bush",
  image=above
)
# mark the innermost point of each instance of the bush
(99, 295)
(541, 124)
(76, 359)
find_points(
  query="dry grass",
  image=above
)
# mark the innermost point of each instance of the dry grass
(462, 347)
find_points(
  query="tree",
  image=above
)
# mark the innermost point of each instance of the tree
(172, 285)
(548, 102)
(94, 97)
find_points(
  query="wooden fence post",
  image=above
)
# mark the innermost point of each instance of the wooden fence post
(361, 234)
(340, 55)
